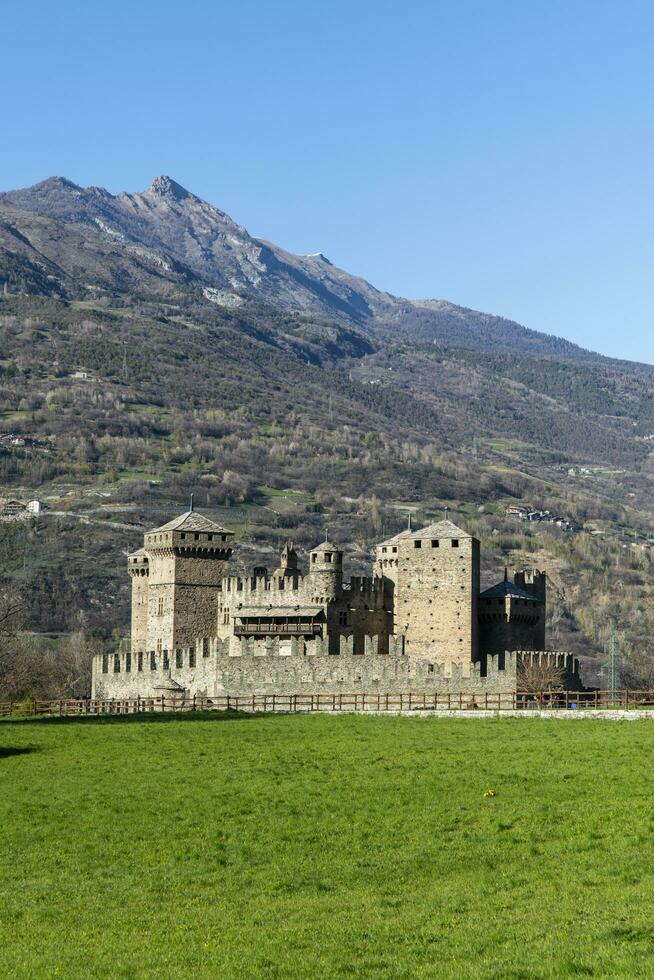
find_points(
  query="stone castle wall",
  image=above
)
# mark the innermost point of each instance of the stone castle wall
(239, 666)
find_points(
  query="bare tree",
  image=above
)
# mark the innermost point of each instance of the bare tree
(637, 670)
(11, 612)
(540, 675)
(33, 666)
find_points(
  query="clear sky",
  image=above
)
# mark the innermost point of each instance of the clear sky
(498, 154)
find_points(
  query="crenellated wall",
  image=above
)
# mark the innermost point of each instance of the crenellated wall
(238, 666)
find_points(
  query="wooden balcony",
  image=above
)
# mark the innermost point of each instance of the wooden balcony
(278, 629)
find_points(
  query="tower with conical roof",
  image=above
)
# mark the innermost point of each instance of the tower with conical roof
(187, 558)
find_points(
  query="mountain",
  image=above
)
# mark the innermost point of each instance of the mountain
(150, 347)
(171, 229)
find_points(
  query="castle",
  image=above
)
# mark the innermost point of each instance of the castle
(419, 623)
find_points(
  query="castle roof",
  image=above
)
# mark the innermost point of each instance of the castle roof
(396, 538)
(141, 553)
(266, 612)
(190, 521)
(441, 529)
(325, 546)
(506, 588)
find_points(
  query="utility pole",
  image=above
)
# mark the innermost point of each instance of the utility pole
(613, 663)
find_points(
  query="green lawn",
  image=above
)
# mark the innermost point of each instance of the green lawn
(326, 847)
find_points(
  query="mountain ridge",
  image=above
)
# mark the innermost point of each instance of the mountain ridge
(220, 254)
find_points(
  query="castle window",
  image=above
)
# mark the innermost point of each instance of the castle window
(435, 544)
(455, 542)
(328, 556)
(226, 616)
(197, 537)
(191, 657)
(209, 537)
(313, 558)
(116, 664)
(417, 544)
(342, 617)
(394, 551)
(128, 663)
(205, 647)
(160, 607)
(153, 660)
(105, 663)
(179, 659)
(430, 668)
(183, 535)
(223, 537)
(166, 661)
(159, 645)
(384, 550)
(281, 584)
(139, 661)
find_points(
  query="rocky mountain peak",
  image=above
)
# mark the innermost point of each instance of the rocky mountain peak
(58, 183)
(167, 187)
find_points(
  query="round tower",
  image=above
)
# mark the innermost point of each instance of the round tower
(138, 570)
(325, 572)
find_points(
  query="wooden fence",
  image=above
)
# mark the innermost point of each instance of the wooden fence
(345, 702)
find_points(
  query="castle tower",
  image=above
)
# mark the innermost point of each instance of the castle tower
(387, 557)
(138, 571)
(325, 579)
(512, 614)
(288, 567)
(436, 584)
(187, 559)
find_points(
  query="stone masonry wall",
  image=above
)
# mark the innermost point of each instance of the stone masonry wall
(435, 598)
(214, 667)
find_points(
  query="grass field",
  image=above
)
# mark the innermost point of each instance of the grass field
(326, 847)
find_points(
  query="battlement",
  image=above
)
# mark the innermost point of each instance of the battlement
(234, 665)
(259, 585)
(371, 585)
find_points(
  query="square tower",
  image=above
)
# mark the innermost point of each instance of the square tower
(187, 561)
(436, 584)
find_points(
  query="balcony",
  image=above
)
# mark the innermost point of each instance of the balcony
(278, 629)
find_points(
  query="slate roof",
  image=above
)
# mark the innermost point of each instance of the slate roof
(266, 612)
(326, 546)
(141, 553)
(190, 521)
(396, 538)
(503, 589)
(441, 530)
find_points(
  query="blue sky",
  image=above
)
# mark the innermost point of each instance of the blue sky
(497, 154)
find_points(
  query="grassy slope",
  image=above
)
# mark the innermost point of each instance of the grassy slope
(321, 846)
